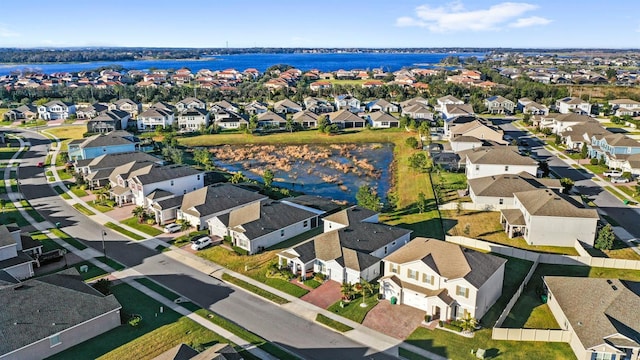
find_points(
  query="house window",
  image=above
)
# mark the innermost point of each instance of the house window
(394, 269)
(54, 340)
(281, 232)
(602, 356)
(501, 201)
(198, 177)
(428, 279)
(412, 274)
(477, 167)
(506, 168)
(305, 223)
(171, 182)
(385, 250)
(462, 291)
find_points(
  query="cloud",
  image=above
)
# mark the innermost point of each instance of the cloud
(455, 17)
(6, 33)
(530, 21)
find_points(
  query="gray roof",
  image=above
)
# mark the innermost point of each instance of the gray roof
(217, 198)
(546, 202)
(507, 184)
(274, 216)
(113, 138)
(26, 317)
(111, 115)
(110, 161)
(194, 112)
(316, 202)
(449, 260)
(500, 155)
(172, 202)
(608, 307)
(5, 236)
(21, 258)
(351, 215)
(380, 116)
(344, 115)
(157, 173)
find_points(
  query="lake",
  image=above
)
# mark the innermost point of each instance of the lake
(322, 62)
(332, 171)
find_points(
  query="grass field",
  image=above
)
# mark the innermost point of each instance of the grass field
(67, 133)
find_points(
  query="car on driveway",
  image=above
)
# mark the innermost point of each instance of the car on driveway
(171, 228)
(612, 173)
(619, 180)
(201, 243)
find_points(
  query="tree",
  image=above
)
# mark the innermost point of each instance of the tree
(103, 286)
(322, 123)
(290, 125)
(346, 290)
(366, 289)
(368, 198)
(558, 140)
(237, 178)
(567, 185)
(253, 125)
(602, 161)
(418, 161)
(139, 212)
(421, 203)
(203, 157)
(468, 323)
(184, 225)
(267, 177)
(605, 239)
(584, 151)
(411, 142)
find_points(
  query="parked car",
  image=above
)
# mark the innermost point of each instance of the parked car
(171, 228)
(201, 243)
(612, 173)
(619, 180)
(40, 164)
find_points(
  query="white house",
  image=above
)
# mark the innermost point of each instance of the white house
(56, 109)
(496, 160)
(107, 121)
(347, 102)
(499, 105)
(189, 104)
(604, 322)
(625, 107)
(547, 217)
(350, 248)
(445, 280)
(155, 117)
(286, 106)
(128, 105)
(13, 260)
(101, 144)
(573, 105)
(560, 122)
(193, 119)
(227, 119)
(447, 100)
(381, 119)
(96, 171)
(382, 105)
(450, 111)
(528, 106)
(496, 191)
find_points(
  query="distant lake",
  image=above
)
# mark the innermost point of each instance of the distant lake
(332, 171)
(322, 62)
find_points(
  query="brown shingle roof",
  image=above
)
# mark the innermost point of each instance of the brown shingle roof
(506, 185)
(546, 202)
(500, 155)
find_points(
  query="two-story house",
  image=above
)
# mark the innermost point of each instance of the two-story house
(573, 105)
(450, 111)
(560, 122)
(108, 121)
(317, 105)
(498, 160)
(286, 106)
(624, 107)
(227, 119)
(499, 105)
(528, 106)
(350, 248)
(110, 143)
(55, 110)
(96, 171)
(128, 105)
(91, 111)
(190, 103)
(614, 148)
(496, 191)
(445, 280)
(549, 218)
(382, 105)
(256, 108)
(347, 102)
(155, 117)
(193, 119)
(477, 128)
(13, 258)
(447, 100)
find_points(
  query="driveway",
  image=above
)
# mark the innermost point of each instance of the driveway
(324, 295)
(397, 321)
(121, 213)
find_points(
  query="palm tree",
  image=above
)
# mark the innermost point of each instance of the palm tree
(184, 225)
(366, 288)
(347, 291)
(468, 323)
(139, 212)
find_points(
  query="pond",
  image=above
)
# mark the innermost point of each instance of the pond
(332, 171)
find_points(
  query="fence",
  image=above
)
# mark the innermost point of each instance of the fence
(555, 259)
(473, 206)
(531, 335)
(516, 296)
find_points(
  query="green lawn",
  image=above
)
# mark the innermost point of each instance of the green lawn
(147, 229)
(47, 244)
(312, 283)
(31, 211)
(83, 209)
(93, 271)
(9, 214)
(61, 192)
(409, 355)
(254, 289)
(64, 175)
(186, 238)
(515, 271)
(158, 288)
(157, 333)
(68, 239)
(596, 169)
(111, 263)
(123, 231)
(78, 191)
(333, 323)
(353, 310)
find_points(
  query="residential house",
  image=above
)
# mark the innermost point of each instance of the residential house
(55, 110)
(320, 85)
(227, 105)
(560, 122)
(496, 191)
(14, 253)
(624, 107)
(49, 314)
(452, 123)
(347, 102)
(482, 130)
(286, 106)
(350, 248)
(162, 105)
(414, 101)
(101, 144)
(499, 105)
(345, 119)
(96, 171)
(109, 121)
(631, 164)
(382, 105)
(227, 119)
(263, 224)
(190, 103)
(604, 323)
(193, 119)
(445, 280)
(549, 218)
(128, 105)
(256, 108)
(570, 105)
(317, 105)
(418, 111)
(381, 119)
(200, 205)
(450, 111)
(91, 111)
(614, 148)
(306, 119)
(269, 119)
(155, 117)
(447, 100)
(498, 160)
(23, 112)
(528, 106)
(464, 143)
(574, 137)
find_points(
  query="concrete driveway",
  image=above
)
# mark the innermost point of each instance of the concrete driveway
(324, 295)
(397, 321)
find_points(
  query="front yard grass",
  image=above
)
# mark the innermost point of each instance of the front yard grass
(157, 333)
(31, 211)
(254, 289)
(9, 215)
(93, 271)
(147, 229)
(67, 133)
(61, 192)
(83, 209)
(336, 325)
(352, 310)
(123, 231)
(68, 239)
(78, 191)
(64, 174)
(47, 244)
(111, 263)
(158, 288)
(485, 225)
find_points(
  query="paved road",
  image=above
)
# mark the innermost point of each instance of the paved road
(306, 338)
(626, 216)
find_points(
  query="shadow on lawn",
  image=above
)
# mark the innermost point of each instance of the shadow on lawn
(427, 344)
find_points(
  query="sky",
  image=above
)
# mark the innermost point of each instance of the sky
(326, 23)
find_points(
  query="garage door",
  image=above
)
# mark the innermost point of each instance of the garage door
(414, 299)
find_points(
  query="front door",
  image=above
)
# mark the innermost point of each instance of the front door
(436, 314)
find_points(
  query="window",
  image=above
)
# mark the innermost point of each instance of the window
(412, 274)
(501, 201)
(394, 269)
(385, 250)
(428, 279)
(506, 168)
(305, 223)
(602, 356)
(171, 182)
(281, 232)
(54, 340)
(477, 167)
(462, 291)
(198, 177)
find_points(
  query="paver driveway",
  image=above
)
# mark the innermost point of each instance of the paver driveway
(397, 321)
(324, 295)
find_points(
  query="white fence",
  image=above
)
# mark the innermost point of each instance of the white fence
(473, 206)
(516, 296)
(531, 335)
(555, 259)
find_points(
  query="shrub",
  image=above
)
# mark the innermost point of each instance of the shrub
(103, 286)
(441, 323)
(593, 161)
(627, 175)
(427, 318)
(135, 320)
(452, 326)
(411, 142)
(240, 251)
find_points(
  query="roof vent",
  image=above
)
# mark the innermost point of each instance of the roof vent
(609, 282)
(579, 323)
(614, 287)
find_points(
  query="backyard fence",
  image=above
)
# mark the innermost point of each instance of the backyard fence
(556, 259)
(516, 296)
(545, 335)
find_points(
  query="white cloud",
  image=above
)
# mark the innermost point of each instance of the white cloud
(530, 21)
(455, 17)
(7, 33)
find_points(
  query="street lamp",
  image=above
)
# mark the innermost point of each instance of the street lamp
(104, 249)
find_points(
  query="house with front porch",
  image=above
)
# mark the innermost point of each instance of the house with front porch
(55, 110)
(499, 105)
(575, 136)
(604, 323)
(498, 160)
(155, 117)
(496, 191)
(22, 112)
(445, 280)
(108, 121)
(110, 143)
(570, 105)
(96, 171)
(193, 119)
(214, 200)
(350, 248)
(549, 218)
(611, 146)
